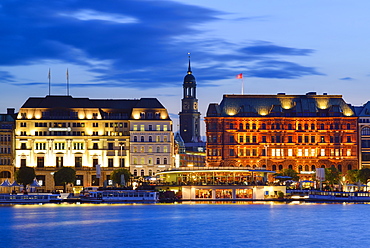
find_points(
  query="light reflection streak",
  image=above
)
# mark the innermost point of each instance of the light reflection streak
(63, 223)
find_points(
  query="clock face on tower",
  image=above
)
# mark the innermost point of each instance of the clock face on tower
(195, 106)
(186, 105)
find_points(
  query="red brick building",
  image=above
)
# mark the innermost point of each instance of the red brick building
(275, 132)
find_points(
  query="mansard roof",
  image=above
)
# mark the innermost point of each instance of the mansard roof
(282, 105)
(71, 102)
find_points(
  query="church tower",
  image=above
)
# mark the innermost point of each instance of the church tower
(189, 115)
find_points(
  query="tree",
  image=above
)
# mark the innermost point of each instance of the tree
(64, 176)
(364, 175)
(25, 175)
(116, 176)
(352, 176)
(289, 173)
(332, 175)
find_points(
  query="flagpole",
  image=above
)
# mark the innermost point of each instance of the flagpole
(49, 76)
(242, 85)
(67, 83)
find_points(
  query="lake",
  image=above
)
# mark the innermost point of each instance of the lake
(185, 225)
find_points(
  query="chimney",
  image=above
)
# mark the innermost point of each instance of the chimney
(10, 111)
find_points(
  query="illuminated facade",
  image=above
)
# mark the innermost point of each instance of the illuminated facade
(85, 134)
(7, 122)
(363, 114)
(275, 132)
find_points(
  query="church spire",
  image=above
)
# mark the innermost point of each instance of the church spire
(189, 68)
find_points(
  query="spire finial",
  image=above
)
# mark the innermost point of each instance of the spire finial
(189, 68)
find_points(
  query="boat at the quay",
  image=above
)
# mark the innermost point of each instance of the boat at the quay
(144, 196)
(30, 198)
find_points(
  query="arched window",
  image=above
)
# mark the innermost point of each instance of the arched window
(142, 149)
(263, 126)
(254, 126)
(241, 126)
(5, 174)
(142, 138)
(158, 161)
(165, 161)
(150, 139)
(274, 167)
(150, 149)
(158, 149)
(264, 166)
(340, 167)
(323, 166)
(290, 167)
(142, 172)
(135, 173)
(142, 161)
(150, 173)
(165, 149)
(280, 167)
(299, 127)
(313, 167)
(135, 160)
(306, 167)
(150, 161)
(135, 138)
(299, 168)
(349, 167)
(247, 126)
(306, 126)
(365, 131)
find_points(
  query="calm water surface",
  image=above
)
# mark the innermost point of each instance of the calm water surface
(186, 225)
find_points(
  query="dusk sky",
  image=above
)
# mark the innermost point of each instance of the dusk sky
(134, 49)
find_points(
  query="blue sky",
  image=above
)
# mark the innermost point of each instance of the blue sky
(134, 49)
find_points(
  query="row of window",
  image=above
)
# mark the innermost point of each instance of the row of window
(150, 149)
(141, 127)
(5, 161)
(290, 126)
(150, 139)
(150, 161)
(4, 138)
(308, 168)
(5, 150)
(280, 152)
(289, 139)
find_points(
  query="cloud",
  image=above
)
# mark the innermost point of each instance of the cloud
(347, 78)
(267, 48)
(5, 77)
(281, 69)
(132, 43)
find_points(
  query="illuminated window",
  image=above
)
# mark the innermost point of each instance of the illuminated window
(337, 153)
(290, 152)
(306, 153)
(40, 146)
(313, 152)
(158, 127)
(142, 149)
(78, 145)
(164, 138)
(158, 139)
(164, 127)
(135, 160)
(348, 152)
(165, 149)
(135, 149)
(299, 153)
(142, 161)
(142, 127)
(59, 146)
(150, 149)
(150, 161)
(135, 128)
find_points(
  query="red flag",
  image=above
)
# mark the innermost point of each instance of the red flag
(239, 76)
